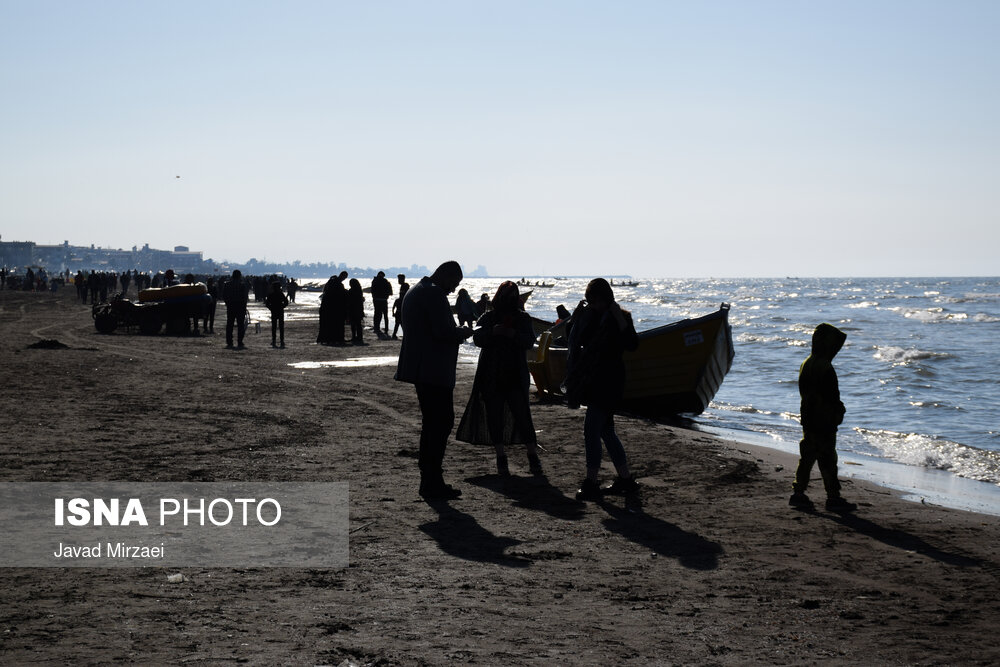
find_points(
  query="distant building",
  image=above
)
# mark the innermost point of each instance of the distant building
(19, 254)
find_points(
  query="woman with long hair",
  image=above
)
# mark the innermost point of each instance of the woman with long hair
(498, 412)
(602, 332)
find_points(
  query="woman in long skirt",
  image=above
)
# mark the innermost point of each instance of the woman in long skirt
(498, 412)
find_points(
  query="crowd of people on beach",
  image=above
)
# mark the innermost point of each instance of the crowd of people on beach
(498, 414)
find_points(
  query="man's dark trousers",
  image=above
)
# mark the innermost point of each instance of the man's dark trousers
(437, 410)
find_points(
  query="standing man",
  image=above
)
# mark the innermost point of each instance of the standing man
(822, 412)
(381, 291)
(235, 295)
(427, 358)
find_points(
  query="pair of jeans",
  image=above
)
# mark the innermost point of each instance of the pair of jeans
(818, 447)
(239, 318)
(598, 425)
(437, 410)
(277, 324)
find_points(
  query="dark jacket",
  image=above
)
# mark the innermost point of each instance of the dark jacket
(276, 302)
(381, 289)
(595, 372)
(429, 350)
(236, 294)
(821, 407)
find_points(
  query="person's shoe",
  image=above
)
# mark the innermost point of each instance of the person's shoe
(534, 464)
(502, 468)
(229, 346)
(589, 490)
(838, 504)
(395, 337)
(282, 345)
(800, 500)
(622, 487)
(241, 346)
(439, 492)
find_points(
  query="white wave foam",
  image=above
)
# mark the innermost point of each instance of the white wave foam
(934, 315)
(929, 452)
(983, 317)
(898, 356)
(747, 337)
(863, 304)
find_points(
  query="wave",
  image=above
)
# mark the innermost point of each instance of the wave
(930, 315)
(899, 356)
(930, 452)
(747, 337)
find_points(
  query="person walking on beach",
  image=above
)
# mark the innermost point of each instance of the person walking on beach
(235, 295)
(595, 376)
(397, 306)
(498, 412)
(381, 291)
(821, 412)
(276, 302)
(427, 358)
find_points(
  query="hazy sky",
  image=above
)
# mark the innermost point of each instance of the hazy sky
(696, 138)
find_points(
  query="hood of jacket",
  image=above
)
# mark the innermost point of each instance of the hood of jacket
(827, 341)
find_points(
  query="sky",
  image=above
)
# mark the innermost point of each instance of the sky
(545, 137)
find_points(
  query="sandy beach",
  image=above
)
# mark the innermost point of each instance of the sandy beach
(715, 569)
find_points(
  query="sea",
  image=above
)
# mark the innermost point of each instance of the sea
(918, 373)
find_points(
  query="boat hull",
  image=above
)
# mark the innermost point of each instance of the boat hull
(677, 369)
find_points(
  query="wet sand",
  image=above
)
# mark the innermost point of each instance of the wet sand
(714, 569)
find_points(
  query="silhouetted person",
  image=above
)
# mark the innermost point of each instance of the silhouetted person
(276, 302)
(465, 308)
(483, 305)
(236, 295)
(213, 291)
(427, 359)
(822, 412)
(356, 311)
(293, 287)
(498, 412)
(595, 377)
(397, 306)
(381, 291)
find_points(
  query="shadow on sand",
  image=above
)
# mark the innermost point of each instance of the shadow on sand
(690, 549)
(901, 540)
(460, 535)
(532, 493)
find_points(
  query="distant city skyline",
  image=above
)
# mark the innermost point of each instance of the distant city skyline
(647, 138)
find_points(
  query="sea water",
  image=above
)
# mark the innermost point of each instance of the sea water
(918, 371)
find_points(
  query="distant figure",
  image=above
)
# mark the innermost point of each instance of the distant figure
(498, 412)
(397, 307)
(189, 279)
(595, 376)
(235, 295)
(293, 287)
(276, 302)
(381, 291)
(465, 308)
(427, 359)
(483, 305)
(822, 412)
(213, 291)
(169, 279)
(333, 311)
(356, 311)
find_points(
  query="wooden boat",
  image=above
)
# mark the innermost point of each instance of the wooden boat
(677, 368)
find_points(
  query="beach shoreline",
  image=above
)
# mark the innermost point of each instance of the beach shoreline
(714, 569)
